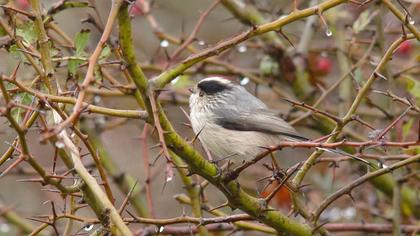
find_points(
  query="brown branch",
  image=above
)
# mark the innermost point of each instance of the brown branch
(89, 77)
(404, 101)
(390, 126)
(93, 153)
(188, 219)
(369, 228)
(25, 153)
(354, 106)
(171, 73)
(161, 134)
(146, 166)
(348, 188)
(309, 144)
(333, 227)
(193, 34)
(402, 18)
(335, 118)
(86, 106)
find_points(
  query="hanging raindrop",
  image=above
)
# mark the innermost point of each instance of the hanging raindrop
(242, 48)
(164, 43)
(88, 227)
(328, 32)
(174, 81)
(244, 81)
(97, 99)
(201, 43)
(411, 21)
(4, 228)
(59, 144)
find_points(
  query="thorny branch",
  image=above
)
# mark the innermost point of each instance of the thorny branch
(59, 108)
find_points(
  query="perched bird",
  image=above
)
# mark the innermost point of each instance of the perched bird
(231, 122)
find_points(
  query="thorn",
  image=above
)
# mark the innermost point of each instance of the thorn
(351, 197)
(418, 132)
(155, 146)
(287, 38)
(314, 230)
(196, 136)
(303, 186)
(220, 206)
(265, 148)
(13, 165)
(14, 73)
(379, 75)
(185, 113)
(30, 180)
(125, 202)
(190, 172)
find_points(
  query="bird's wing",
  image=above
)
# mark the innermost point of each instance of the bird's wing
(266, 121)
(261, 120)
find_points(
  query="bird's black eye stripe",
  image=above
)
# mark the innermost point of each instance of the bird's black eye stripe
(211, 87)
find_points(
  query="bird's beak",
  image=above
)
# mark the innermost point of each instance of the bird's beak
(191, 90)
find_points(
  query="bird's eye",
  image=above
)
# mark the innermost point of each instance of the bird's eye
(201, 93)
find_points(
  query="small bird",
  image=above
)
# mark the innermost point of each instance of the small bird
(231, 122)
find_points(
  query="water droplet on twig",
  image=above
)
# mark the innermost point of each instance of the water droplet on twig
(411, 21)
(174, 81)
(201, 43)
(59, 144)
(164, 43)
(5, 228)
(100, 120)
(328, 32)
(242, 48)
(97, 99)
(244, 81)
(88, 227)
(349, 213)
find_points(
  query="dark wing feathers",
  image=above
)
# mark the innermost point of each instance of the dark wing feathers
(261, 120)
(266, 121)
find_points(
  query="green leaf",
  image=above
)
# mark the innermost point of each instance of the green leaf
(98, 74)
(72, 65)
(413, 86)
(67, 5)
(268, 66)
(10, 86)
(2, 31)
(53, 50)
(81, 40)
(26, 99)
(363, 20)
(27, 32)
(106, 51)
(407, 127)
(16, 53)
(358, 75)
(23, 99)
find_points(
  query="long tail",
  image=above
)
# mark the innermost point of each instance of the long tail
(341, 152)
(330, 150)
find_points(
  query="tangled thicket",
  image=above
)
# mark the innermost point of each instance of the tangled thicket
(330, 61)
